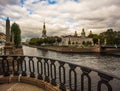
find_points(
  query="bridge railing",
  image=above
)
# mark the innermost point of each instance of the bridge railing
(67, 76)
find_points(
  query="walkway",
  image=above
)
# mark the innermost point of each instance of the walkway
(19, 87)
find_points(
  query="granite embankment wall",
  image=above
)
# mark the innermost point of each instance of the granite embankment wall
(68, 49)
(110, 50)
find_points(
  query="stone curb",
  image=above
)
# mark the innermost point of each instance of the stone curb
(28, 80)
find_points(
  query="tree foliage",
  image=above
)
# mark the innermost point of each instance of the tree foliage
(46, 41)
(94, 37)
(111, 37)
(15, 29)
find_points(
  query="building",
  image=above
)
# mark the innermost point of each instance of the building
(2, 37)
(75, 40)
(44, 31)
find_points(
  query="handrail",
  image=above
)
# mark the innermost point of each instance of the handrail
(51, 72)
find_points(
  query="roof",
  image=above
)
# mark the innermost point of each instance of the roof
(72, 36)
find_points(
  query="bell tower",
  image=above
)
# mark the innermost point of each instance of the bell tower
(44, 31)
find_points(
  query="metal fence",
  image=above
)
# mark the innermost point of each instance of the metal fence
(67, 76)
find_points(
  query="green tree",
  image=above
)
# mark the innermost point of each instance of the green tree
(15, 29)
(40, 41)
(112, 37)
(95, 39)
(59, 40)
(69, 42)
(73, 43)
(34, 41)
(84, 43)
(45, 40)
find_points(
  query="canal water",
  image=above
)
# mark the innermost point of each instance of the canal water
(106, 63)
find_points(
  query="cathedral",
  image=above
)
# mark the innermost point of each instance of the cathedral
(75, 40)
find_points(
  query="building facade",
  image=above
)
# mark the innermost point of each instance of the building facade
(76, 40)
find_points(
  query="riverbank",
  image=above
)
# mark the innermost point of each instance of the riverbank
(68, 49)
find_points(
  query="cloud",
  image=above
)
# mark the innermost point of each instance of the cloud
(61, 16)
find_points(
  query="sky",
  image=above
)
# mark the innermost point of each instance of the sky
(62, 17)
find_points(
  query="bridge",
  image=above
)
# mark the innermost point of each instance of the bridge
(55, 75)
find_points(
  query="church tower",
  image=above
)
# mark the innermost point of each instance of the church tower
(83, 33)
(75, 34)
(44, 31)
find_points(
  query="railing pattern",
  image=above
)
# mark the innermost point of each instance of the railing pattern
(67, 75)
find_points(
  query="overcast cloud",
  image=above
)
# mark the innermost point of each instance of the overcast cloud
(62, 17)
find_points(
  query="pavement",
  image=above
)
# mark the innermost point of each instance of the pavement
(19, 87)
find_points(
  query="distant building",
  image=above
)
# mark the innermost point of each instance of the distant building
(83, 33)
(44, 31)
(2, 37)
(75, 39)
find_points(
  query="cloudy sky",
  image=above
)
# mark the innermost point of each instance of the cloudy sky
(62, 17)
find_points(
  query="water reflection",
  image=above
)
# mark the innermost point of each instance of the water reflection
(108, 64)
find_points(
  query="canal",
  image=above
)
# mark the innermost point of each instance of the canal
(106, 63)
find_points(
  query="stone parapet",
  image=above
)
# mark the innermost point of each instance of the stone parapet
(4, 80)
(28, 80)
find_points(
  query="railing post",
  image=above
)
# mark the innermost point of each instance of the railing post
(85, 74)
(23, 66)
(5, 66)
(40, 73)
(104, 79)
(72, 69)
(53, 72)
(31, 67)
(46, 70)
(62, 81)
(15, 63)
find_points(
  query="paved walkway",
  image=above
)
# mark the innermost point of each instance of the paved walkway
(19, 87)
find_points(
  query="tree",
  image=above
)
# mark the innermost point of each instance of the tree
(59, 40)
(69, 42)
(15, 29)
(111, 37)
(84, 43)
(34, 41)
(40, 41)
(95, 39)
(73, 43)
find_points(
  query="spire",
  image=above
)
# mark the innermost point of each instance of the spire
(7, 18)
(44, 25)
(44, 31)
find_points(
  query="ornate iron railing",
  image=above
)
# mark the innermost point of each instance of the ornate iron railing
(66, 75)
